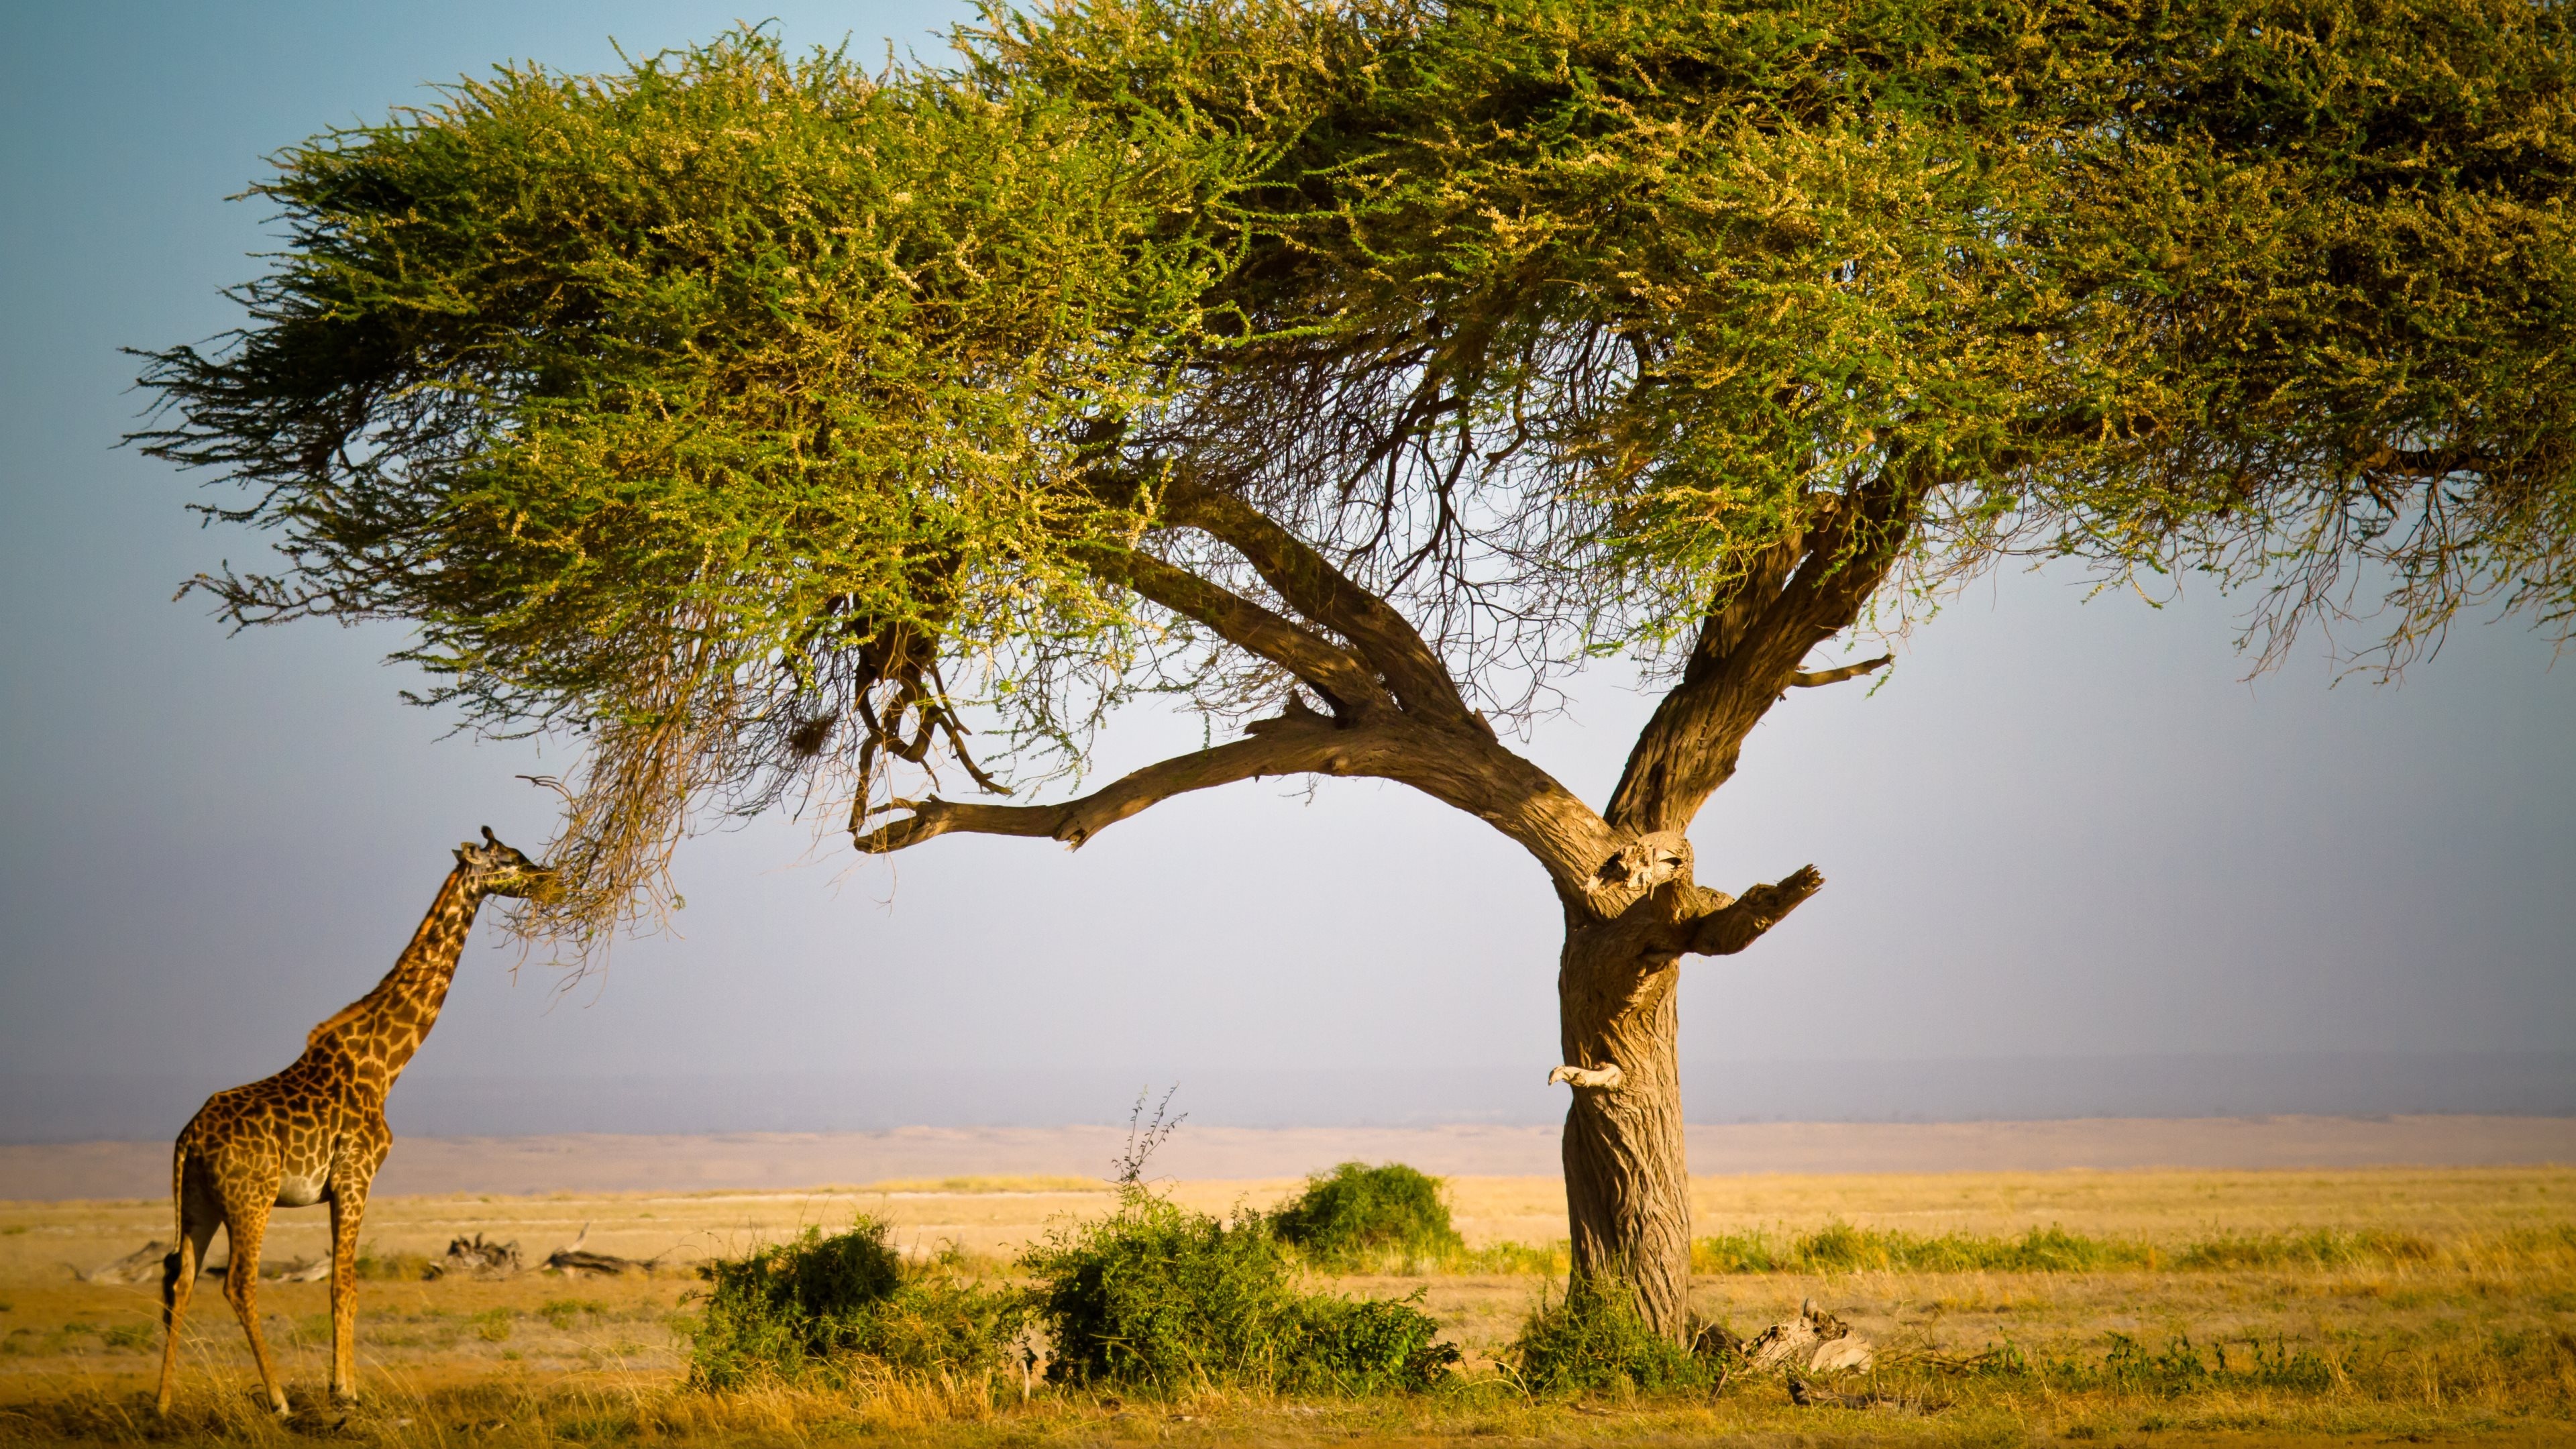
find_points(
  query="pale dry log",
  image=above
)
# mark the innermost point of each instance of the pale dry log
(575, 1260)
(1815, 1340)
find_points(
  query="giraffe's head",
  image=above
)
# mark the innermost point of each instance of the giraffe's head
(497, 870)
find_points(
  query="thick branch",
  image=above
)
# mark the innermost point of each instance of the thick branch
(1298, 744)
(1462, 769)
(1814, 677)
(1748, 656)
(1735, 925)
(1323, 593)
(1342, 680)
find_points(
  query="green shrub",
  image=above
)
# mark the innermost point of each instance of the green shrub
(1593, 1339)
(1162, 1299)
(1358, 1217)
(820, 1304)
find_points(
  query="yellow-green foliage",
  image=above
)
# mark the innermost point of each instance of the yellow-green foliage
(719, 404)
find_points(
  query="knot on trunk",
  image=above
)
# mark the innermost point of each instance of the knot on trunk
(1603, 1079)
(1644, 863)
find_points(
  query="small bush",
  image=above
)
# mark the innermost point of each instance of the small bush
(1593, 1339)
(1358, 1217)
(561, 1312)
(818, 1304)
(1158, 1298)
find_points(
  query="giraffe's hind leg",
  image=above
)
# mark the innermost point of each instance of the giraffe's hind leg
(246, 1205)
(350, 1180)
(198, 1217)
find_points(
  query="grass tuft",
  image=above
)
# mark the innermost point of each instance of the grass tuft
(397, 1267)
(1593, 1339)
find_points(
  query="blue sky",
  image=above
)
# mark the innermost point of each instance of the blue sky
(2061, 828)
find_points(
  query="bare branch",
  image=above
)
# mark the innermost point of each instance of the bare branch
(1814, 677)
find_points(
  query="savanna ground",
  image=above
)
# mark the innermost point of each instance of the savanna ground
(2176, 1307)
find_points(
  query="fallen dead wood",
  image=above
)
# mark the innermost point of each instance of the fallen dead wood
(1815, 1341)
(135, 1267)
(574, 1261)
(146, 1264)
(479, 1257)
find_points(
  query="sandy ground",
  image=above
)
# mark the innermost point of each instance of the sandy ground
(783, 1161)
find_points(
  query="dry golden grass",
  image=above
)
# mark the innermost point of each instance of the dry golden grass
(2468, 1338)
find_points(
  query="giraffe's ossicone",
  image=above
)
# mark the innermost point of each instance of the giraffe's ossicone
(316, 1131)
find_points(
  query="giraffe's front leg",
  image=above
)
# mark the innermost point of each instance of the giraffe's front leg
(247, 1199)
(351, 1176)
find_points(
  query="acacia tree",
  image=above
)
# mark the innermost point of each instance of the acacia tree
(1351, 369)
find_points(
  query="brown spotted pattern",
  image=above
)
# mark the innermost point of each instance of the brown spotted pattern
(316, 1131)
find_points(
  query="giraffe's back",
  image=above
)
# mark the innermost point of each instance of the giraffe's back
(281, 1129)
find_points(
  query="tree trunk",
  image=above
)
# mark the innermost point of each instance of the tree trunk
(1627, 1188)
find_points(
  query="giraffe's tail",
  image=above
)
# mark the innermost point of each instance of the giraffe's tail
(172, 1265)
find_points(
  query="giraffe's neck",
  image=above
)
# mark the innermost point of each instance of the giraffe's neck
(378, 1032)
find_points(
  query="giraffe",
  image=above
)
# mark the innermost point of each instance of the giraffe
(316, 1131)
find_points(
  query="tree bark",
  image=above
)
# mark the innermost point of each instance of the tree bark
(1627, 1185)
